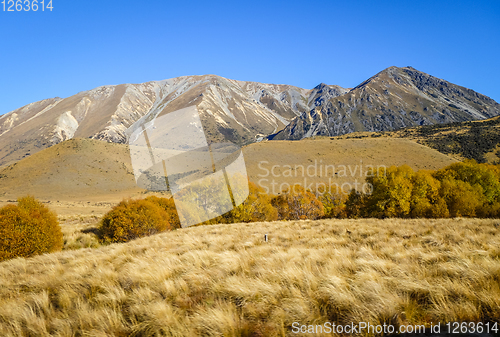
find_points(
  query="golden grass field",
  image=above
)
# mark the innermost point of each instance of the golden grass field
(224, 280)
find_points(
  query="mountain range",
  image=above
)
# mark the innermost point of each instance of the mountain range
(393, 99)
(244, 112)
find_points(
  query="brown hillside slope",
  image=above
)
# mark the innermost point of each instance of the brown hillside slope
(478, 140)
(76, 169)
(92, 170)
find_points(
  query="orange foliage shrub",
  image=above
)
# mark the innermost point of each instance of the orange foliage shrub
(168, 205)
(257, 207)
(28, 228)
(131, 219)
(297, 203)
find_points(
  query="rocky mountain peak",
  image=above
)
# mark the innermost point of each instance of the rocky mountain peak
(392, 99)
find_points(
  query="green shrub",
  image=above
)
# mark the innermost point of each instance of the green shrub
(28, 228)
(131, 219)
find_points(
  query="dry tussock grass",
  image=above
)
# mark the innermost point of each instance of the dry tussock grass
(224, 280)
(79, 231)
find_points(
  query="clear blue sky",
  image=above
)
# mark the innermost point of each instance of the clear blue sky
(84, 44)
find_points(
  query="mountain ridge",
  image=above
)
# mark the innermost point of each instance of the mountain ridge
(243, 112)
(236, 111)
(391, 99)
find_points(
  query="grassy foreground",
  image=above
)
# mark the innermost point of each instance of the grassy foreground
(224, 280)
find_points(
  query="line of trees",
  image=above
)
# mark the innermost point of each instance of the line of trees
(465, 189)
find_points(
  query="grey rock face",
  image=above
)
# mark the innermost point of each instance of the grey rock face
(394, 98)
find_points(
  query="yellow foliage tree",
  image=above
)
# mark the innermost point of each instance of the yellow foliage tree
(355, 205)
(475, 175)
(257, 207)
(462, 189)
(391, 196)
(425, 200)
(131, 219)
(462, 198)
(334, 204)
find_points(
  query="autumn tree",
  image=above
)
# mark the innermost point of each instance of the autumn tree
(132, 219)
(257, 207)
(462, 198)
(464, 189)
(27, 229)
(476, 175)
(333, 203)
(391, 196)
(297, 203)
(355, 205)
(168, 205)
(426, 202)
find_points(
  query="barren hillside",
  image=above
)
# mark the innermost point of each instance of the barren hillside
(86, 170)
